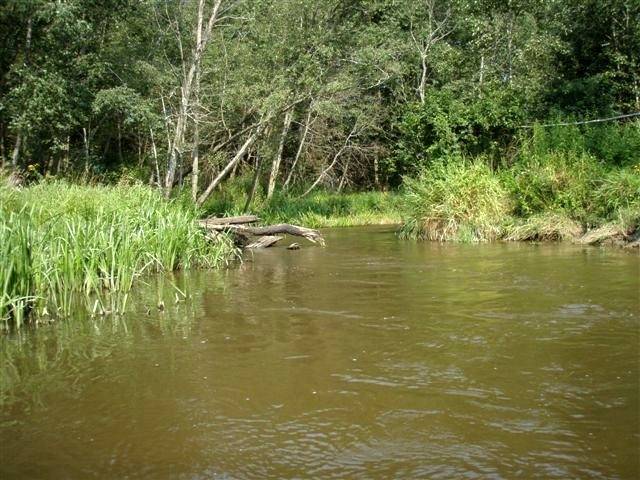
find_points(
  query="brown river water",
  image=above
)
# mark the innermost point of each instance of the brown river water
(372, 358)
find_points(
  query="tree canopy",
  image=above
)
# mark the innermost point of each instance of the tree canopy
(301, 92)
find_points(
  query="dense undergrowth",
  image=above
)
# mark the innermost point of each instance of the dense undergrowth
(561, 185)
(65, 246)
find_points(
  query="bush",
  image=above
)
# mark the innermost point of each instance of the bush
(455, 201)
(615, 145)
(555, 182)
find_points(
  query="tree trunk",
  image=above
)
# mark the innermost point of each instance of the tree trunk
(16, 150)
(308, 233)
(332, 164)
(120, 143)
(376, 173)
(154, 150)
(275, 167)
(300, 149)
(202, 37)
(85, 140)
(344, 175)
(254, 185)
(15, 156)
(3, 153)
(225, 171)
(423, 78)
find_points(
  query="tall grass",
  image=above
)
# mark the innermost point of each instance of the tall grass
(67, 246)
(16, 261)
(319, 209)
(455, 201)
(557, 188)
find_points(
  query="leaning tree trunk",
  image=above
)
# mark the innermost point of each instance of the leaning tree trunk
(333, 162)
(225, 171)
(254, 184)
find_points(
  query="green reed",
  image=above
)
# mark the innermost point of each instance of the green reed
(63, 245)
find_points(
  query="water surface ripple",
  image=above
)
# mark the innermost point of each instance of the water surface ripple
(371, 358)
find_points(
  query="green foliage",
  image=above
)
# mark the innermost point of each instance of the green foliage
(97, 87)
(16, 268)
(556, 190)
(318, 209)
(455, 201)
(453, 124)
(555, 181)
(611, 143)
(64, 244)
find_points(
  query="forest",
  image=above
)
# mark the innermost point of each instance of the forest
(467, 120)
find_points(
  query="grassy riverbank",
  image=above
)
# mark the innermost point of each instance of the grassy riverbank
(546, 194)
(317, 210)
(63, 246)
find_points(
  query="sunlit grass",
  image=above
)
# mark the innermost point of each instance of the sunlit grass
(455, 201)
(553, 196)
(317, 210)
(62, 242)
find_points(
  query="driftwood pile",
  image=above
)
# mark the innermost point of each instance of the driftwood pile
(248, 235)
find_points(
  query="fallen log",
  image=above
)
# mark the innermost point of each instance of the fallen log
(238, 226)
(240, 220)
(264, 242)
(282, 228)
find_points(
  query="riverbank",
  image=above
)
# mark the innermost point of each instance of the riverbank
(558, 196)
(319, 209)
(65, 247)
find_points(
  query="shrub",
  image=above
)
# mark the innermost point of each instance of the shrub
(455, 201)
(557, 182)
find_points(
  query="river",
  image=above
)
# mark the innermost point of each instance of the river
(371, 358)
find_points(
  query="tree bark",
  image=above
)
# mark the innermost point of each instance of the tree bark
(202, 38)
(16, 150)
(240, 220)
(282, 228)
(85, 140)
(264, 242)
(307, 126)
(254, 184)
(275, 166)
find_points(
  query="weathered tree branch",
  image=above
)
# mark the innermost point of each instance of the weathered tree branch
(313, 236)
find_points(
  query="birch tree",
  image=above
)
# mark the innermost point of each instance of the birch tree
(205, 23)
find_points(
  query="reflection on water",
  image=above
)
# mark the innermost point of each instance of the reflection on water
(371, 358)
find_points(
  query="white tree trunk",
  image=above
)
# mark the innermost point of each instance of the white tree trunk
(202, 37)
(307, 126)
(275, 166)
